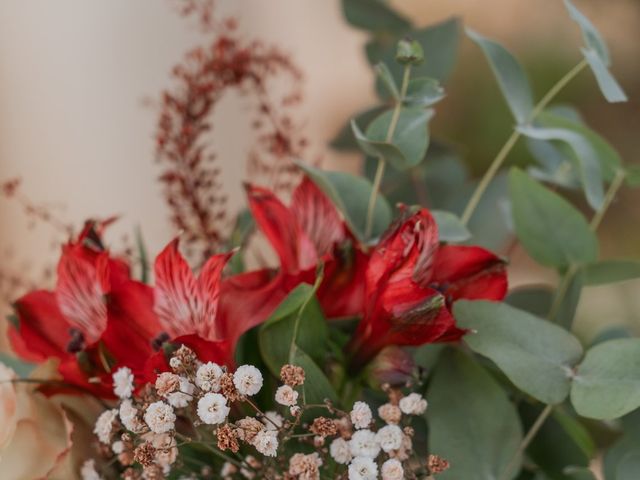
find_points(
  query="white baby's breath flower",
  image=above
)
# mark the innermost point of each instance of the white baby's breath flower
(363, 444)
(129, 417)
(361, 415)
(123, 382)
(228, 469)
(175, 363)
(88, 471)
(160, 417)
(117, 447)
(248, 380)
(339, 451)
(389, 437)
(104, 425)
(287, 396)
(213, 409)
(208, 377)
(413, 404)
(266, 442)
(183, 397)
(392, 470)
(295, 410)
(273, 420)
(363, 468)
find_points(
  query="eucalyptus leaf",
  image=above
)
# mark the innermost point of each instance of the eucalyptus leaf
(511, 77)
(350, 194)
(611, 271)
(609, 86)
(552, 231)
(629, 467)
(537, 356)
(22, 368)
(624, 446)
(607, 382)
(424, 92)
(450, 227)
(316, 388)
(374, 16)
(591, 35)
(387, 78)
(556, 167)
(344, 140)
(566, 311)
(588, 163)
(535, 299)
(378, 148)
(410, 137)
(472, 423)
(579, 473)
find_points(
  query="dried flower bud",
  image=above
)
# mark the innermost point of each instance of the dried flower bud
(390, 414)
(393, 366)
(436, 464)
(227, 438)
(167, 383)
(228, 388)
(292, 375)
(248, 428)
(145, 454)
(325, 427)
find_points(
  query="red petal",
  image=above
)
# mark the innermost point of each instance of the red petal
(43, 330)
(294, 249)
(183, 304)
(469, 272)
(317, 217)
(342, 292)
(406, 251)
(82, 283)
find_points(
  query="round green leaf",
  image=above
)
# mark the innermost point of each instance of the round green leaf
(374, 16)
(611, 271)
(607, 382)
(423, 92)
(629, 467)
(450, 228)
(552, 231)
(472, 423)
(536, 355)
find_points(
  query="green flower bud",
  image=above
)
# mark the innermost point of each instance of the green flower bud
(409, 52)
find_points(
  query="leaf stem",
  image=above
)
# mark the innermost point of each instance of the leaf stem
(535, 428)
(377, 181)
(512, 140)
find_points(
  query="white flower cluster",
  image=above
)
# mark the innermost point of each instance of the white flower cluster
(362, 450)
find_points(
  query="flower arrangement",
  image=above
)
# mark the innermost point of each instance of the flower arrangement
(385, 344)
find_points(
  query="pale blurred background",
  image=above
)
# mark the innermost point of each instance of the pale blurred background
(74, 124)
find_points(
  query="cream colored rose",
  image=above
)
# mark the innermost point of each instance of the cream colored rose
(35, 431)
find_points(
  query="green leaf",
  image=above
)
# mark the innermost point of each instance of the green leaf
(242, 229)
(350, 194)
(580, 473)
(511, 77)
(611, 271)
(588, 163)
(344, 141)
(552, 231)
(609, 159)
(423, 92)
(626, 445)
(297, 324)
(629, 467)
(537, 356)
(609, 86)
(387, 78)
(566, 311)
(316, 388)
(472, 423)
(450, 228)
(142, 255)
(535, 299)
(607, 382)
(591, 35)
(374, 16)
(633, 176)
(410, 138)
(22, 368)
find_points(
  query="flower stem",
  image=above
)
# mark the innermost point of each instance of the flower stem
(512, 140)
(377, 181)
(535, 428)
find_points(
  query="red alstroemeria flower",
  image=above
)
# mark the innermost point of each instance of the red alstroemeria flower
(412, 281)
(77, 323)
(308, 232)
(187, 306)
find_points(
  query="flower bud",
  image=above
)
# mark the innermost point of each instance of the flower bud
(393, 366)
(409, 52)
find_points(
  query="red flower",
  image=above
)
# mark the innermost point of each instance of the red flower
(411, 282)
(77, 323)
(308, 232)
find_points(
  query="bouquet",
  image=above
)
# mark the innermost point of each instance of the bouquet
(387, 342)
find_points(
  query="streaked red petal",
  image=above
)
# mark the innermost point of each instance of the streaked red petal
(342, 292)
(317, 217)
(292, 245)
